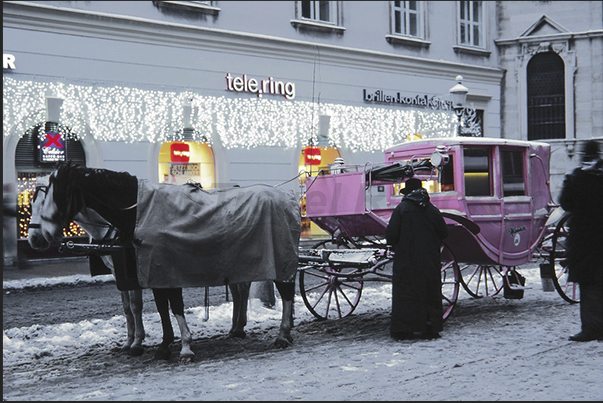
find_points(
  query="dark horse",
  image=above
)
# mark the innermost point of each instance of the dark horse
(113, 195)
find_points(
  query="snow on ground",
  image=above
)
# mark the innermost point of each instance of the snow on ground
(491, 349)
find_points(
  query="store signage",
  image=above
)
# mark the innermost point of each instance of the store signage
(424, 101)
(52, 148)
(180, 152)
(8, 61)
(259, 87)
(192, 169)
(312, 156)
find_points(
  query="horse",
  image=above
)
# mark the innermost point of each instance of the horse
(113, 195)
(99, 229)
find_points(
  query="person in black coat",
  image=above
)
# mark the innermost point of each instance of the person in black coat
(416, 230)
(582, 196)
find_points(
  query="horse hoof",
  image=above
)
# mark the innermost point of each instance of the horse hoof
(237, 334)
(283, 343)
(162, 354)
(186, 359)
(135, 351)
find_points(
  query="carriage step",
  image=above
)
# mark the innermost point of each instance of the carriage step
(514, 285)
(519, 287)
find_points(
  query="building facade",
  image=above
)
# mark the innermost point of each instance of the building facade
(229, 92)
(552, 91)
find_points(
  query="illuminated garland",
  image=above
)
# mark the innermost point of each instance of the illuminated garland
(127, 114)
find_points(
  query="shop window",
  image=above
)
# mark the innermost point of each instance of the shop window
(477, 171)
(546, 97)
(512, 173)
(30, 167)
(180, 161)
(472, 123)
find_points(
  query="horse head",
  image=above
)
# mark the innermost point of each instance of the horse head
(35, 236)
(54, 206)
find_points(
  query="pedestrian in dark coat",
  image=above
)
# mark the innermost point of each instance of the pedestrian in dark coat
(416, 230)
(582, 196)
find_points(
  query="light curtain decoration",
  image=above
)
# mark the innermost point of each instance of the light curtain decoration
(128, 114)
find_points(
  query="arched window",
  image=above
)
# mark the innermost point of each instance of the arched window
(29, 167)
(180, 161)
(546, 97)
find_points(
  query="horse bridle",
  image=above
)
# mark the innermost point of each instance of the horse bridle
(44, 189)
(60, 217)
(112, 232)
(39, 188)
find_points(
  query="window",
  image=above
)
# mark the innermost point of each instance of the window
(407, 18)
(323, 11)
(512, 173)
(318, 16)
(447, 176)
(203, 7)
(546, 97)
(472, 124)
(477, 171)
(471, 24)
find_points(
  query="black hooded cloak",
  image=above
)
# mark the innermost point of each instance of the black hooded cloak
(416, 230)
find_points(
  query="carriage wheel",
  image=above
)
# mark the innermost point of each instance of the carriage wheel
(481, 280)
(568, 290)
(327, 295)
(450, 280)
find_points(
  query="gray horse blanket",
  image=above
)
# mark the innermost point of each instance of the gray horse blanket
(186, 236)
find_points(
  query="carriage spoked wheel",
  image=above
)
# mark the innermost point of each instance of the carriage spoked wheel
(481, 280)
(451, 279)
(568, 290)
(330, 292)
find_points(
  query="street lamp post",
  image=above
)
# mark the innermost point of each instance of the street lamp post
(459, 96)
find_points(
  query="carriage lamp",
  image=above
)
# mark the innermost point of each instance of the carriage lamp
(459, 96)
(439, 159)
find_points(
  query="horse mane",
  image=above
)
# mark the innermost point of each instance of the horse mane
(103, 178)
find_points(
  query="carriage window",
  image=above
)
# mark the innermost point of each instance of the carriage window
(512, 173)
(477, 171)
(447, 176)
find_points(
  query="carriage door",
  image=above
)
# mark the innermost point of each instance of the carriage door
(517, 204)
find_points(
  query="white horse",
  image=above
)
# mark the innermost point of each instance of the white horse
(97, 229)
(113, 195)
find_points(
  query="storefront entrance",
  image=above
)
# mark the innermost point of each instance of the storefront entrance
(36, 155)
(180, 161)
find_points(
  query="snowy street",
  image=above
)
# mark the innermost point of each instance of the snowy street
(491, 349)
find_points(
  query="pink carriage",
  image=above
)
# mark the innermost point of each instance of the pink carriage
(493, 193)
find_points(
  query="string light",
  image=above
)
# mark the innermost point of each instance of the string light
(26, 186)
(130, 115)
